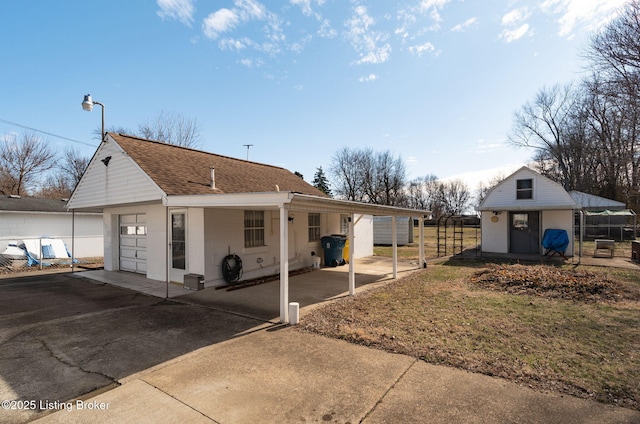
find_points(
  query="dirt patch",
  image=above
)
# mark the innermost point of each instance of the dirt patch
(550, 282)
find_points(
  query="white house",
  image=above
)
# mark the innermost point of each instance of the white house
(31, 218)
(516, 213)
(170, 211)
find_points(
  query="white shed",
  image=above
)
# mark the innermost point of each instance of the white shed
(516, 213)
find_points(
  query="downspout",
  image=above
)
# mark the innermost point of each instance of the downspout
(73, 239)
(352, 274)
(166, 239)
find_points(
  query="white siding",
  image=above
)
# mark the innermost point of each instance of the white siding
(382, 230)
(16, 226)
(495, 235)
(547, 194)
(121, 182)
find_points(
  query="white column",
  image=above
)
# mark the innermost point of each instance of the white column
(394, 242)
(352, 274)
(284, 265)
(421, 248)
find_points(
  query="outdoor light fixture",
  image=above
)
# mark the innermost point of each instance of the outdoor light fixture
(106, 160)
(87, 104)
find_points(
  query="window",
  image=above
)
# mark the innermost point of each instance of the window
(344, 224)
(314, 226)
(524, 189)
(253, 228)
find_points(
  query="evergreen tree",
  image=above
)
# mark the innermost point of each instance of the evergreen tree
(320, 182)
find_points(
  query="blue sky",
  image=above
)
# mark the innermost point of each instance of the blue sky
(434, 81)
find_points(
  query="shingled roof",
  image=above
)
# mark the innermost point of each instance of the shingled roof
(183, 171)
(32, 204)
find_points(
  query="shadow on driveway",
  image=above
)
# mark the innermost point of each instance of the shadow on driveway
(62, 337)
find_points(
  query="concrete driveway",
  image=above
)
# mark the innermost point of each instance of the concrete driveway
(63, 337)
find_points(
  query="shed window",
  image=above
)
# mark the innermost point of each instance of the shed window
(314, 226)
(524, 189)
(253, 228)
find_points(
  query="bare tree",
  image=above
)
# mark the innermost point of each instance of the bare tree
(454, 196)
(172, 128)
(66, 175)
(23, 162)
(366, 176)
(423, 193)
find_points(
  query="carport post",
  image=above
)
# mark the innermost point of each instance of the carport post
(352, 275)
(421, 247)
(394, 242)
(284, 265)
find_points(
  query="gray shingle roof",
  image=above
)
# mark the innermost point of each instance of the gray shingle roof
(32, 204)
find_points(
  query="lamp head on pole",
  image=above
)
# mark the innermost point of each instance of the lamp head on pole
(87, 103)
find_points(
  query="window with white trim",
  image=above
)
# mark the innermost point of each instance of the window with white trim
(253, 228)
(524, 189)
(314, 226)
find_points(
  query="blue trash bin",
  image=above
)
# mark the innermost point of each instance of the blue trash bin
(333, 246)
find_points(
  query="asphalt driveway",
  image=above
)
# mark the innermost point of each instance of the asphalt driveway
(63, 337)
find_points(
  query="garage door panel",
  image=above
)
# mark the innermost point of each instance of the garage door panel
(126, 241)
(133, 243)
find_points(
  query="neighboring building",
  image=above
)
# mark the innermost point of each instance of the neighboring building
(29, 218)
(170, 211)
(383, 231)
(605, 218)
(516, 212)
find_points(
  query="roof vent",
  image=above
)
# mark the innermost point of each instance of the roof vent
(213, 178)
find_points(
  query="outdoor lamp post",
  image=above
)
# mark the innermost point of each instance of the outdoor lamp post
(87, 104)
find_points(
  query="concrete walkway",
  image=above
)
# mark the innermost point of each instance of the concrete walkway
(280, 375)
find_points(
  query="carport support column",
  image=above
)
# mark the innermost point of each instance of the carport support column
(352, 274)
(394, 242)
(421, 247)
(284, 265)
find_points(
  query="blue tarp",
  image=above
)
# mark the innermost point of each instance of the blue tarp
(556, 240)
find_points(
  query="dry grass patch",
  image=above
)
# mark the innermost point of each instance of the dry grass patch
(534, 337)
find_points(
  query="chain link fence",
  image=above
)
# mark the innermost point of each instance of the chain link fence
(34, 254)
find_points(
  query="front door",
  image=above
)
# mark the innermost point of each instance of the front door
(178, 245)
(524, 232)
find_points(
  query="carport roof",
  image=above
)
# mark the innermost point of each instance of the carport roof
(291, 201)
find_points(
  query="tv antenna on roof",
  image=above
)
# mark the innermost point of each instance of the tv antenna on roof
(247, 146)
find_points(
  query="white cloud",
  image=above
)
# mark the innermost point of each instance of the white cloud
(516, 16)
(368, 78)
(510, 35)
(181, 10)
(306, 6)
(371, 45)
(234, 44)
(220, 21)
(325, 30)
(466, 24)
(422, 48)
(590, 13)
(516, 28)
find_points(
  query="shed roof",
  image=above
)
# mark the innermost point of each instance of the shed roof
(590, 201)
(184, 171)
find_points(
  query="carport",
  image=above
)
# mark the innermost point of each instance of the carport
(261, 301)
(285, 202)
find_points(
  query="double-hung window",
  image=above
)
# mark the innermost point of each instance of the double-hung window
(253, 228)
(314, 226)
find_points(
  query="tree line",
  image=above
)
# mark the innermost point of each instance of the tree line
(29, 165)
(585, 134)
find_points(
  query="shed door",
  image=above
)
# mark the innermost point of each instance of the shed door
(524, 232)
(133, 243)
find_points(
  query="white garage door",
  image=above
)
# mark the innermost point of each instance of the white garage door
(133, 243)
